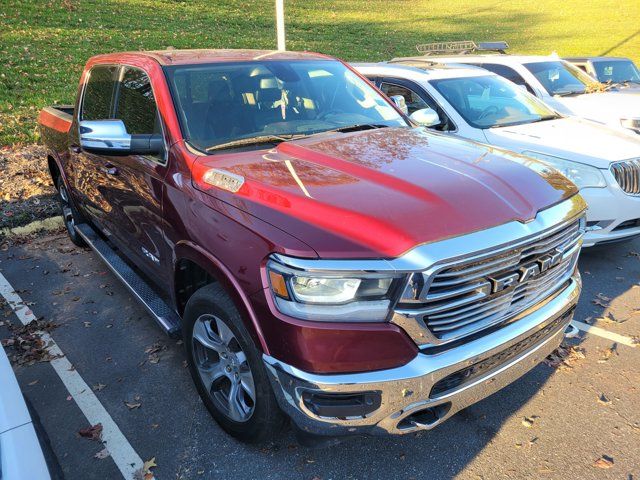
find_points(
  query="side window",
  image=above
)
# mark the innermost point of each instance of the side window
(508, 73)
(417, 101)
(414, 101)
(136, 106)
(98, 93)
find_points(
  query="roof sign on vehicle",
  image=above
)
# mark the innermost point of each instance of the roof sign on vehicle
(461, 47)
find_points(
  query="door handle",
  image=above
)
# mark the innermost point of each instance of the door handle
(109, 169)
(76, 148)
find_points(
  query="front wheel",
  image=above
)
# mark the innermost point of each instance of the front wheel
(69, 216)
(227, 367)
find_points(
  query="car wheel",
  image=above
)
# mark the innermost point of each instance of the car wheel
(227, 367)
(69, 215)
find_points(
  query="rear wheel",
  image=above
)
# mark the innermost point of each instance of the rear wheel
(227, 367)
(69, 216)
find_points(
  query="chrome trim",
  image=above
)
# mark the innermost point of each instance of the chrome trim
(406, 390)
(627, 174)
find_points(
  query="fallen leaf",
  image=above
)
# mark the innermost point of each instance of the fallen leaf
(604, 462)
(603, 399)
(608, 353)
(98, 387)
(102, 454)
(93, 433)
(527, 422)
(146, 468)
(132, 406)
(33, 383)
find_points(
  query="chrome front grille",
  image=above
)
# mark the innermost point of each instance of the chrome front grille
(464, 297)
(627, 174)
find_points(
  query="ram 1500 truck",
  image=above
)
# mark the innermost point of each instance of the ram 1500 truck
(324, 259)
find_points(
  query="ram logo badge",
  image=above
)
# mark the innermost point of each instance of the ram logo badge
(526, 272)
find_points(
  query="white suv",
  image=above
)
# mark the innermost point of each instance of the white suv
(476, 104)
(558, 83)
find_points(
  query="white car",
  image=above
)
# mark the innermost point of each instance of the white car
(618, 72)
(558, 83)
(476, 104)
(21, 457)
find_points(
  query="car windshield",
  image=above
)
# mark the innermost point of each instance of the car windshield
(616, 71)
(227, 104)
(491, 101)
(561, 78)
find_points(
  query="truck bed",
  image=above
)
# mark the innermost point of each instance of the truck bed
(54, 123)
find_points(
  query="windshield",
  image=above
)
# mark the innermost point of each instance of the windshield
(560, 78)
(226, 102)
(491, 101)
(616, 71)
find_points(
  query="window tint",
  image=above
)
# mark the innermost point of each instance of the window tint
(491, 101)
(417, 101)
(225, 102)
(98, 93)
(413, 100)
(616, 71)
(508, 73)
(136, 105)
(560, 78)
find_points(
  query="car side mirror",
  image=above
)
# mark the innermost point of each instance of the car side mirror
(427, 117)
(400, 102)
(110, 137)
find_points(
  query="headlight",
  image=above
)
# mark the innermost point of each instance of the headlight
(580, 174)
(328, 294)
(632, 123)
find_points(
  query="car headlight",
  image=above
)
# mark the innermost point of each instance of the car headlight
(580, 174)
(329, 293)
(632, 123)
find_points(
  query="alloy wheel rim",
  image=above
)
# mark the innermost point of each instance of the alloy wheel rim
(223, 368)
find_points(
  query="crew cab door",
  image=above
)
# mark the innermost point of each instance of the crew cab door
(132, 186)
(84, 168)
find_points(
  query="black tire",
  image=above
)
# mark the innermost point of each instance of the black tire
(212, 304)
(69, 214)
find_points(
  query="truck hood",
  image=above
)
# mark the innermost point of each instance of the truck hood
(604, 107)
(382, 192)
(570, 138)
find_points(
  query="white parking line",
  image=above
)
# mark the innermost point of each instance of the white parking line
(121, 451)
(601, 332)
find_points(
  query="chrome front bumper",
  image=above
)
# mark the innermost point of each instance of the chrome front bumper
(406, 390)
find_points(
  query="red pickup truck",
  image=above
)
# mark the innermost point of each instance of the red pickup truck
(324, 259)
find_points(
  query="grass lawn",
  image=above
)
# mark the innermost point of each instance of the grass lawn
(44, 43)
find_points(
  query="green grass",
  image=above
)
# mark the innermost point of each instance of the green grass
(44, 43)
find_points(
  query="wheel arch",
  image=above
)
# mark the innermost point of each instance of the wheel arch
(192, 263)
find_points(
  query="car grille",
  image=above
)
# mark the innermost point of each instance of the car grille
(627, 174)
(471, 295)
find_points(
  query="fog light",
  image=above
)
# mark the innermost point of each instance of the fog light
(342, 405)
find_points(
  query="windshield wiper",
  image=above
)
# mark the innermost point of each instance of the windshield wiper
(570, 93)
(352, 128)
(253, 141)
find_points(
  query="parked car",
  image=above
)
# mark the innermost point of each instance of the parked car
(473, 103)
(323, 259)
(558, 83)
(21, 456)
(618, 72)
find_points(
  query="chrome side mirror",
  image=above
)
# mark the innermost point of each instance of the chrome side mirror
(110, 137)
(427, 117)
(400, 102)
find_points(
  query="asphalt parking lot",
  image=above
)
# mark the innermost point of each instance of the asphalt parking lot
(577, 418)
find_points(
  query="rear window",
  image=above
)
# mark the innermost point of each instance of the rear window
(98, 94)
